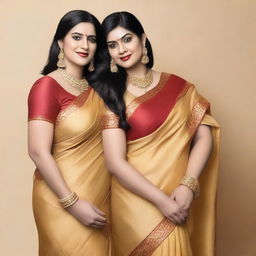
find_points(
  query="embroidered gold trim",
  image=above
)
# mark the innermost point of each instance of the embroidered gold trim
(197, 114)
(154, 239)
(77, 102)
(141, 99)
(109, 121)
(40, 118)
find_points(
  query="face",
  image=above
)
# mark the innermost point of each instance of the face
(79, 45)
(125, 47)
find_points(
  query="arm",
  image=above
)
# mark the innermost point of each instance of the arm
(114, 143)
(40, 137)
(198, 157)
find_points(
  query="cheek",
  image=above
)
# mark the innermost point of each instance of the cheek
(113, 53)
(69, 45)
(138, 48)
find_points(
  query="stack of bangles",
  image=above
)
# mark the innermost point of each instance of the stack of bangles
(192, 183)
(69, 200)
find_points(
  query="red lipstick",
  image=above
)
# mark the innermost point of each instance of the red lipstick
(82, 54)
(125, 58)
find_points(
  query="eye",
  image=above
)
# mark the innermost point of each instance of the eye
(127, 39)
(91, 39)
(77, 38)
(112, 45)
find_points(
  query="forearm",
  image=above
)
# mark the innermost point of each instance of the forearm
(51, 174)
(200, 152)
(134, 181)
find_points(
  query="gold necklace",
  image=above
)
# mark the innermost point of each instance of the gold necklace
(79, 84)
(141, 82)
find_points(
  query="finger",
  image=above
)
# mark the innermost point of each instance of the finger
(99, 211)
(101, 219)
(175, 218)
(98, 223)
(172, 219)
(182, 215)
(172, 196)
(178, 217)
(96, 226)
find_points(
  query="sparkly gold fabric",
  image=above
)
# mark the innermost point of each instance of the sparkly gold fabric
(77, 150)
(162, 157)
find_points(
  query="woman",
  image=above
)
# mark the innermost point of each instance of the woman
(158, 154)
(71, 185)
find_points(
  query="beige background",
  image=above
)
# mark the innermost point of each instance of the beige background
(210, 43)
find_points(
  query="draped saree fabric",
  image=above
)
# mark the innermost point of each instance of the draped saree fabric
(163, 122)
(77, 150)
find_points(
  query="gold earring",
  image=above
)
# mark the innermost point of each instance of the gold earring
(113, 66)
(61, 63)
(91, 66)
(144, 58)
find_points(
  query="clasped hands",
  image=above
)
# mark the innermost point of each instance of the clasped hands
(176, 207)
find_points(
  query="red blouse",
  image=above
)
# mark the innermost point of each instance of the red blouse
(46, 99)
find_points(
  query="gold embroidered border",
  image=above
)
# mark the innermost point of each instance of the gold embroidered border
(109, 121)
(197, 114)
(40, 118)
(77, 102)
(154, 239)
(139, 100)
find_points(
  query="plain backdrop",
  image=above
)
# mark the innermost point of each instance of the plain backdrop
(211, 43)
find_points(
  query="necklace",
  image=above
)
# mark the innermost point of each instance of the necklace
(79, 84)
(141, 82)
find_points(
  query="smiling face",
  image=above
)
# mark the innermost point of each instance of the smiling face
(125, 47)
(79, 45)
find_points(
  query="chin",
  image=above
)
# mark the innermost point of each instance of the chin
(126, 65)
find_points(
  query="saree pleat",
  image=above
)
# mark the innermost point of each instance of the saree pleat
(162, 157)
(77, 150)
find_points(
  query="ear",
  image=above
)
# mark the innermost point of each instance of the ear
(60, 43)
(144, 37)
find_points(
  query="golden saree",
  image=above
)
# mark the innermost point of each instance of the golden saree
(77, 150)
(163, 122)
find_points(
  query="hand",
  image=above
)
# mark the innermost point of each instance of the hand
(173, 211)
(183, 196)
(87, 214)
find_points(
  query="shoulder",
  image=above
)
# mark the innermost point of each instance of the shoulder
(45, 89)
(45, 82)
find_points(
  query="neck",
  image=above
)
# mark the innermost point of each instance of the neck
(75, 71)
(139, 70)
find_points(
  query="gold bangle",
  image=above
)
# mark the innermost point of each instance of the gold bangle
(69, 200)
(192, 183)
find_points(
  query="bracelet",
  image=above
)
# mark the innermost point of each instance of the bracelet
(69, 200)
(192, 183)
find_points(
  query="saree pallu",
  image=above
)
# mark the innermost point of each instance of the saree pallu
(77, 150)
(163, 122)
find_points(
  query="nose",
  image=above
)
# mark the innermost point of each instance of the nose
(121, 49)
(85, 44)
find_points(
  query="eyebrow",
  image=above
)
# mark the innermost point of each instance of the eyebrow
(119, 38)
(80, 34)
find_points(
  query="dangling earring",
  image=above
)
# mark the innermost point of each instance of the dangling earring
(113, 66)
(144, 58)
(91, 66)
(61, 63)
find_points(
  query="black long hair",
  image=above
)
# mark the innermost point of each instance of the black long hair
(67, 22)
(111, 86)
